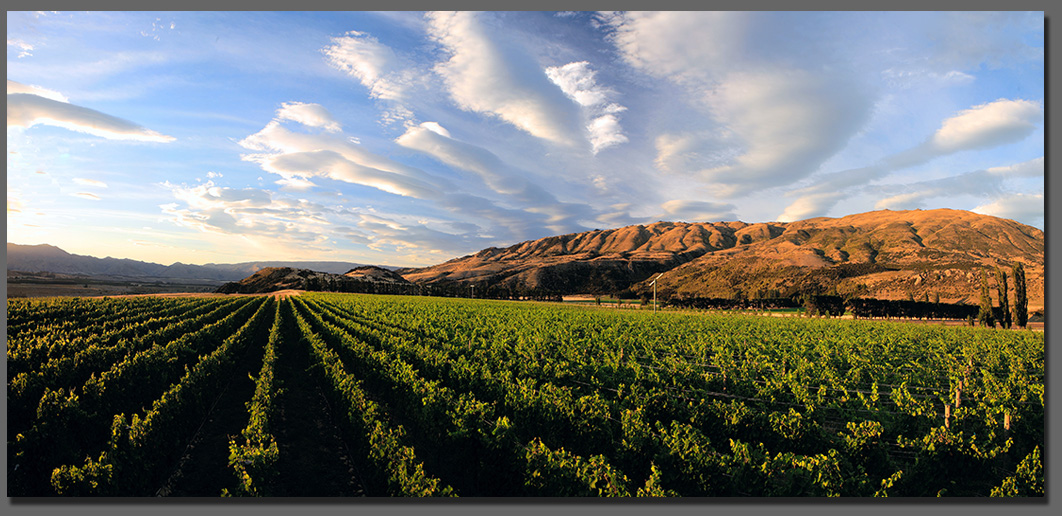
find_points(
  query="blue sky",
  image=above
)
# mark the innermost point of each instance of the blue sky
(412, 138)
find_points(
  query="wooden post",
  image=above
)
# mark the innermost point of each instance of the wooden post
(947, 415)
(1006, 422)
(958, 394)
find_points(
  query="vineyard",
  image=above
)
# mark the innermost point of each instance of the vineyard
(369, 395)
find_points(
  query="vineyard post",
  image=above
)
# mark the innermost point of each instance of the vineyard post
(654, 289)
(958, 394)
(947, 415)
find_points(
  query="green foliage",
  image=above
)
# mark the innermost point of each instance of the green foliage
(1004, 300)
(1027, 480)
(1021, 300)
(984, 313)
(438, 397)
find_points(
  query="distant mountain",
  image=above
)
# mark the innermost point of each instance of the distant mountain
(375, 274)
(272, 279)
(883, 254)
(48, 258)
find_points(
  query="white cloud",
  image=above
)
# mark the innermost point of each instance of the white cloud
(988, 125)
(376, 66)
(436, 128)
(87, 195)
(310, 115)
(16, 87)
(31, 108)
(984, 126)
(1021, 207)
(979, 183)
(298, 156)
(90, 182)
(686, 47)
(577, 81)
(605, 131)
(1031, 168)
(697, 211)
(788, 121)
(295, 183)
(246, 212)
(810, 206)
(776, 119)
(539, 213)
(326, 163)
(906, 201)
(24, 49)
(433, 140)
(486, 73)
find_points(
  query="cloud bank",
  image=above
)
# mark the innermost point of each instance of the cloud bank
(27, 107)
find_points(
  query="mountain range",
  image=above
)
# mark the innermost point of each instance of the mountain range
(916, 254)
(884, 254)
(48, 258)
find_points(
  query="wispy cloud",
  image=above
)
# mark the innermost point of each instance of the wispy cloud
(513, 184)
(16, 87)
(980, 183)
(984, 126)
(310, 115)
(775, 121)
(789, 122)
(433, 140)
(90, 182)
(487, 74)
(24, 49)
(87, 195)
(298, 156)
(577, 81)
(26, 109)
(1019, 206)
(216, 209)
(387, 75)
(697, 211)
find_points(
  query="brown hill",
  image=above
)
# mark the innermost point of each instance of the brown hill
(884, 254)
(375, 274)
(595, 261)
(272, 279)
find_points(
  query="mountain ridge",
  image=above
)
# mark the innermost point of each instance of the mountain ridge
(49, 258)
(914, 254)
(885, 254)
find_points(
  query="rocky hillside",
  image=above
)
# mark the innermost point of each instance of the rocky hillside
(595, 261)
(271, 279)
(884, 254)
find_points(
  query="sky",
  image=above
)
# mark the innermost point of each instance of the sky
(411, 138)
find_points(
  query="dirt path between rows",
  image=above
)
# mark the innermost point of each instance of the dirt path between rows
(314, 461)
(204, 468)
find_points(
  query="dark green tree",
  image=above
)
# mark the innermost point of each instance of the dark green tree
(1021, 301)
(1004, 299)
(984, 314)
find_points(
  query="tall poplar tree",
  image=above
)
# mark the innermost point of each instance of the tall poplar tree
(1004, 300)
(1021, 301)
(984, 314)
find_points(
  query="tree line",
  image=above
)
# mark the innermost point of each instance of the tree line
(985, 313)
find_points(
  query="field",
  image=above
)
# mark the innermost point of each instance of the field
(365, 395)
